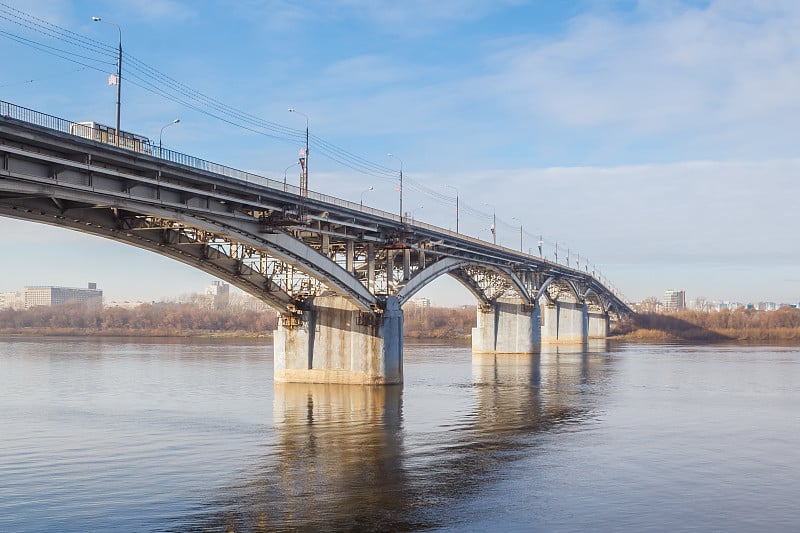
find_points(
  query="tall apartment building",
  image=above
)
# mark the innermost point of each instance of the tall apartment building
(48, 296)
(219, 294)
(674, 300)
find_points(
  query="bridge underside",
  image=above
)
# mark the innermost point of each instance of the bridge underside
(337, 273)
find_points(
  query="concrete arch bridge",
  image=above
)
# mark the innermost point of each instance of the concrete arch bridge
(337, 272)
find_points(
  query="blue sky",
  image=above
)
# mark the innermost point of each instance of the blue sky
(656, 138)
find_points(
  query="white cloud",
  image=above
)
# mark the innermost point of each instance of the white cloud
(161, 10)
(412, 15)
(659, 71)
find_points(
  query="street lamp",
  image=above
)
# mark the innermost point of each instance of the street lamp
(520, 232)
(401, 185)
(303, 158)
(118, 79)
(161, 133)
(494, 223)
(371, 187)
(284, 174)
(456, 204)
(540, 243)
(413, 211)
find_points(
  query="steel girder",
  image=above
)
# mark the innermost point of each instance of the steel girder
(99, 217)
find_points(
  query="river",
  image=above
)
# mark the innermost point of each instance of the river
(193, 435)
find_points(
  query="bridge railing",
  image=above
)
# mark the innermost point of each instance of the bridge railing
(138, 143)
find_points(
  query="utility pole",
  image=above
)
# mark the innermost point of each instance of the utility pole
(456, 204)
(521, 248)
(494, 223)
(119, 73)
(303, 158)
(401, 185)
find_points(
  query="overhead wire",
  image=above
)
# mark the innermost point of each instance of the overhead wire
(148, 78)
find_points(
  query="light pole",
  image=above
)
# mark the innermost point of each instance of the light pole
(401, 185)
(119, 70)
(413, 211)
(520, 232)
(161, 133)
(303, 158)
(494, 223)
(371, 187)
(284, 174)
(455, 189)
(540, 243)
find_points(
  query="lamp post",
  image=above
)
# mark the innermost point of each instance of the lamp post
(161, 133)
(304, 158)
(401, 185)
(520, 232)
(284, 174)
(494, 223)
(371, 187)
(413, 211)
(119, 71)
(540, 243)
(455, 189)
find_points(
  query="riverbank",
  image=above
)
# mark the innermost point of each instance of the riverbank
(436, 323)
(120, 333)
(741, 325)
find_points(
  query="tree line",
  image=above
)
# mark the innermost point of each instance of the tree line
(739, 324)
(160, 319)
(192, 318)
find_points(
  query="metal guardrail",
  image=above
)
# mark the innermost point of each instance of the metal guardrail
(141, 144)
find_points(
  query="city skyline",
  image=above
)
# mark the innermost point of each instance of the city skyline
(653, 139)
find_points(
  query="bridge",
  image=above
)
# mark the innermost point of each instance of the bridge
(337, 272)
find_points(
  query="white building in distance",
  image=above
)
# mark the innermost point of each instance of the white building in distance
(219, 294)
(48, 296)
(674, 300)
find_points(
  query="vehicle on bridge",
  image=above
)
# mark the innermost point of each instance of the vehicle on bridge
(107, 134)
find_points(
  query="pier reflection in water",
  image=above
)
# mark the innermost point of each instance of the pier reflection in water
(344, 458)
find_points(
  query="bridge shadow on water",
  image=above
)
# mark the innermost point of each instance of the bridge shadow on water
(345, 458)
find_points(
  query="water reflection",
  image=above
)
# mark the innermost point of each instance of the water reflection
(336, 445)
(344, 460)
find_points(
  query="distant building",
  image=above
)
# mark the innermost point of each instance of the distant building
(49, 296)
(674, 300)
(12, 300)
(219, 294)
(419, 303)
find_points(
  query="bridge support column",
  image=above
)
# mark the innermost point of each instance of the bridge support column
(507, 326)
(599, 325)
(335, 342)
(564, 322)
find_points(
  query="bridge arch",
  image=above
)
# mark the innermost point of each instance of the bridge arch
(429, 274)
(460, 270)
(573, 289)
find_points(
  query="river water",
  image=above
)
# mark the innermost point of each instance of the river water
(193, 435)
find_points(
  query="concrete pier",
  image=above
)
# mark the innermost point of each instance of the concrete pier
(564, 322)
(507, 326)
(332, 341)
(599, 325)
